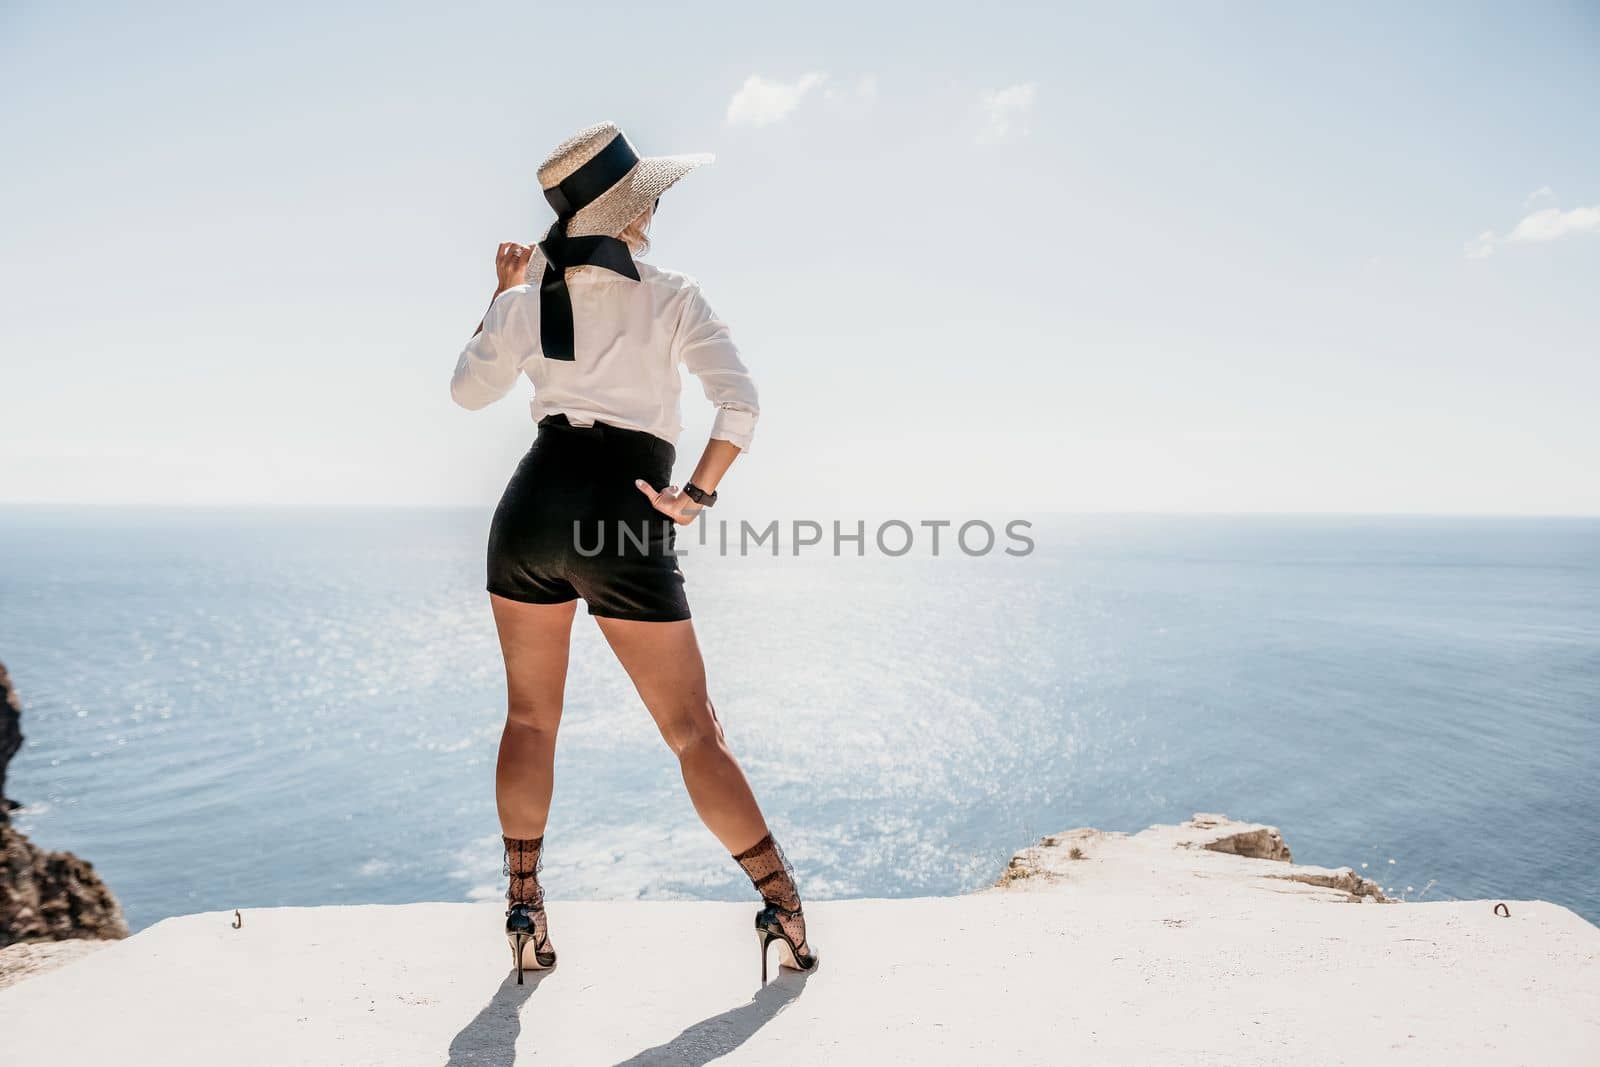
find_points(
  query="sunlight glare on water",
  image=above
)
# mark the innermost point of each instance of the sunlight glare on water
(248, 709)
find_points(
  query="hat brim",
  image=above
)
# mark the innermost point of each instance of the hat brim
(625, 201)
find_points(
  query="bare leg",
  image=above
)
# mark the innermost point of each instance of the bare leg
(534, 640)
(663, 659)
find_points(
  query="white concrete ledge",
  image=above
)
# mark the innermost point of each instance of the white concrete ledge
(1143, 951)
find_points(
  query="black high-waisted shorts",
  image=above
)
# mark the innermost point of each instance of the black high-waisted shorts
(571, 524)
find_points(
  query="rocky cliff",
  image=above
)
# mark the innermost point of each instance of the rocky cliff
(1182, 860)
(10, 738)
(44, 896)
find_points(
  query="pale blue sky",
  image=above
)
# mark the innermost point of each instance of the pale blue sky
(1000, 258)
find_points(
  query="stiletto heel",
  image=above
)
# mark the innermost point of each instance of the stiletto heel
(769, 928)
(516, 953)
(522, 930)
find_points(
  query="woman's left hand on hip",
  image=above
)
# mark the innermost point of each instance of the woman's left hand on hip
(671, 502)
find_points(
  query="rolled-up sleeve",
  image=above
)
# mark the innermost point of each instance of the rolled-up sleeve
(706, 349)
(489, 364)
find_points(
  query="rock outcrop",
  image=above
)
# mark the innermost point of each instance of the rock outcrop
(45, 896)
(52, 896)
(10, 737)
(1184, 860)
(1252, 841)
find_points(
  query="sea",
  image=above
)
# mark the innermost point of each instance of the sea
(245, 709)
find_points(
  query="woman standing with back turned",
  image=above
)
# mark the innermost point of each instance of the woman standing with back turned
(601, 336)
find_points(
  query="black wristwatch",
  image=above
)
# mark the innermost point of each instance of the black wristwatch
(699, 495)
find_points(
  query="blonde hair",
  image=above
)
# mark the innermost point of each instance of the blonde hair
(636, 234)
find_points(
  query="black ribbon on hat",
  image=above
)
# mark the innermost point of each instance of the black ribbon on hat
(581, 188)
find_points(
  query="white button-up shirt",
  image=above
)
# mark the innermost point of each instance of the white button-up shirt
(630, 338)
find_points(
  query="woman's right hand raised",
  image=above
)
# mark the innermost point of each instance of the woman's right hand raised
(510, 264)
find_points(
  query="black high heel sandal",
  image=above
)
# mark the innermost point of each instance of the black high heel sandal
(522, 933)
(769, 929)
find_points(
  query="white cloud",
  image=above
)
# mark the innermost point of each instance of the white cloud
(1552, 224)
(1544, 192)
(1005, 112)
(761, 102)
(1547, 224)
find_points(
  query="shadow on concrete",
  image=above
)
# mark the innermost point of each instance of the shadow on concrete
(490, 1039)
(713, 1038)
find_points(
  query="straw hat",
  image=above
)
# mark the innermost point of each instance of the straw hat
(597, 185)
(631, 183)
